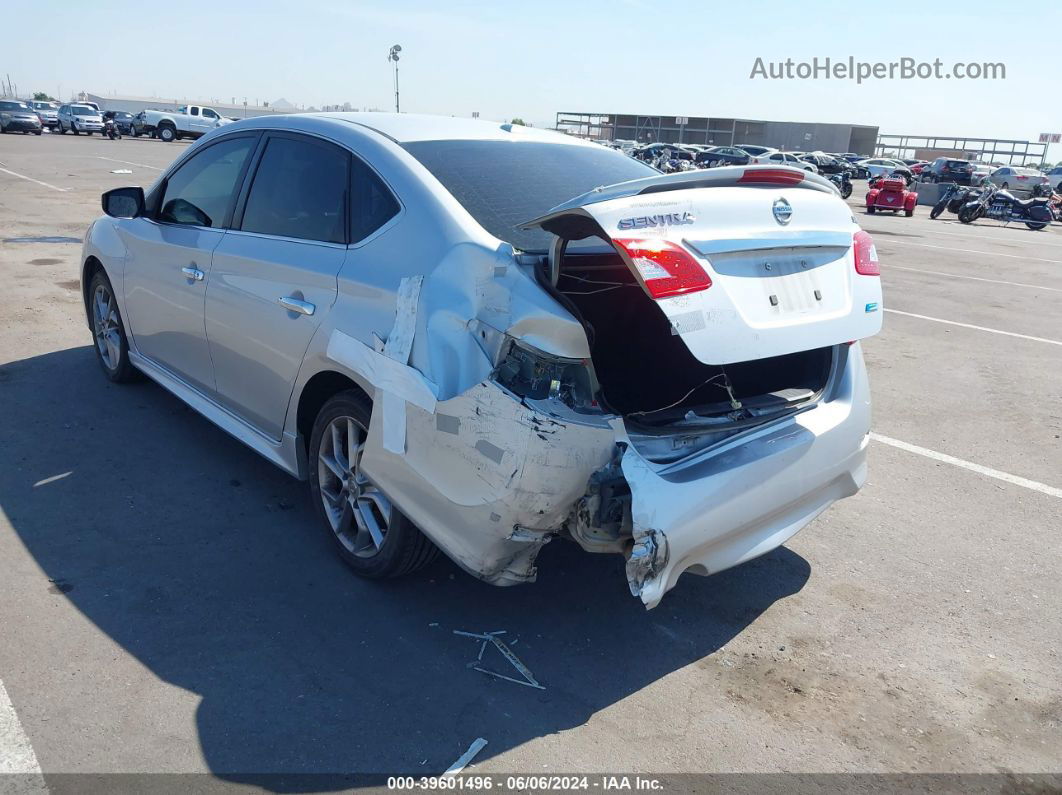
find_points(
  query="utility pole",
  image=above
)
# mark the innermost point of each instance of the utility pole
(393, 57)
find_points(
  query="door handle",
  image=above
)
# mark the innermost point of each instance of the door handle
(193, 273)
(295, 305)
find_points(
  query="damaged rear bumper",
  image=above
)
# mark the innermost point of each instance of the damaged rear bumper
(749, 495)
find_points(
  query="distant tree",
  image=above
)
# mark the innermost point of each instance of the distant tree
(519, 121)
(41, 96)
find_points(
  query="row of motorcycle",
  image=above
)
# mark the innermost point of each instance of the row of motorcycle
(988, 201)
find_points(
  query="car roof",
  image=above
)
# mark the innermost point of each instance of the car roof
(408, 127)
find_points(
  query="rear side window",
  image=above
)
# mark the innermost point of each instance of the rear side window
(299, 191)
(200, 192)
(371, 203)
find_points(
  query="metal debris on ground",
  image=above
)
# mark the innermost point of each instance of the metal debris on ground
(492, 637)
(465, 758)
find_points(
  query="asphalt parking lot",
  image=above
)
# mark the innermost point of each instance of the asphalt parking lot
(168, 602)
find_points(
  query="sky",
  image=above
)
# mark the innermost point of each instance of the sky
(532, 58)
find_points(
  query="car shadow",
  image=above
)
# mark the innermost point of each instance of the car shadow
(208, 565)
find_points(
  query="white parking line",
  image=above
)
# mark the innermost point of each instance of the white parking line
(978, 328)
(975, 278)
(1006, 477)
(1039, 241)
(16, 753)
(887, 240)
(31, 179)
(129, 163)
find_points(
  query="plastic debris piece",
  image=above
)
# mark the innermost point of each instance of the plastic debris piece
(122, 171)
(492, 637)
(466, 757)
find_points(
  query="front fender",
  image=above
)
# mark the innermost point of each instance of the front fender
(104, 245)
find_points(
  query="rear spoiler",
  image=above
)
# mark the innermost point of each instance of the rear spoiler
(722, 177)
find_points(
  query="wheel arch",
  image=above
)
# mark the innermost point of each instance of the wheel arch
(316, 392)
(89, 268)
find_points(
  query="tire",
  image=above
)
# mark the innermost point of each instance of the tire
(1005, 185)
(73, 129)
(908, 213)
(167, 133)
(966, 216)
(870, 210)
(401, 548)
(111, 344)
(62, 129)
(38, 132)
(1035, 226)
(846, 191)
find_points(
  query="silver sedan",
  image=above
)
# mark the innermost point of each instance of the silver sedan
(462, 341)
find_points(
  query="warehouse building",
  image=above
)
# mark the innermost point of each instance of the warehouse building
(721, 131)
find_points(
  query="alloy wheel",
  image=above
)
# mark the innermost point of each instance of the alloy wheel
(357, 511)
(106, 327)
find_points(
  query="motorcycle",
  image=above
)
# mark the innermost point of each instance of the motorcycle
(843, 183)
(110, 129)
(954, 198)
(1004, 206)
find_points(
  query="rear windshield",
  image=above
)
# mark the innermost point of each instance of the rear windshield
(506, 183)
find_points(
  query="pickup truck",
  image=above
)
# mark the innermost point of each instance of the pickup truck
(188, 121)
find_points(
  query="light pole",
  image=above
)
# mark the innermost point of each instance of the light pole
(393, 56)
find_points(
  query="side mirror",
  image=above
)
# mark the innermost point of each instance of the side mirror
(124, 202)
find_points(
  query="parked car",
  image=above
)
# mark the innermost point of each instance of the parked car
(981, 171)
(918, 167)
(1018, 178)
(370, 301)
(754, 150)
(782, 159)
(17, 116)
(826, 164)
(949, 169)
(723, 156)
(122, 120)
(1054, 178)
(878, 166)
(188, 121)
(79, 118)
(47, 112)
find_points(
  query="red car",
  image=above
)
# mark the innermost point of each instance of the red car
(917, 167)
(891, 193)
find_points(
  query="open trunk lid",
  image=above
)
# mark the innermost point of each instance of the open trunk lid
(778, 248)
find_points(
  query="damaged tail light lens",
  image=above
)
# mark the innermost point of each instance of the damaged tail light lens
(866, 254)
(665, 268)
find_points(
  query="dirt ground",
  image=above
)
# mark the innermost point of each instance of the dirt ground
(168, 602)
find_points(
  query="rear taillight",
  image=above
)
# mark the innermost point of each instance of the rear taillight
(664, 267)
(772, 176)
(866, 254)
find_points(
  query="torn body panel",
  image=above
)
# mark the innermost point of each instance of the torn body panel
(488, 478)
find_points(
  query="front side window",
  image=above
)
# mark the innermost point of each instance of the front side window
(299, 191)
(200, 192)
